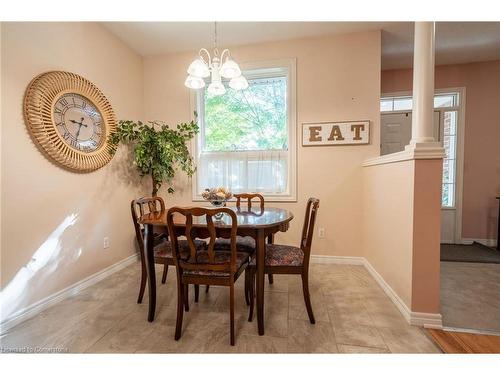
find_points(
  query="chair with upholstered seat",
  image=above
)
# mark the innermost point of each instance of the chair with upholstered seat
(209, 267)
(246, 244)
(162, 248)
(284, 259)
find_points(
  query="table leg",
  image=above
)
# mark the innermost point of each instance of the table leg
(498, 225)
(260, 245)
(150, 265)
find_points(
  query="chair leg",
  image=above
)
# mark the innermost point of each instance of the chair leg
(164, 276)
(206, 289)
(186, 297)
(144, 279)
(271, 278)
(180, 310)
(307, 297)
(252, 294)
(231, 311)
(196, 292)
(247, 287)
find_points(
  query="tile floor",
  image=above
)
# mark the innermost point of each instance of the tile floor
(470, 295)
(353, 315)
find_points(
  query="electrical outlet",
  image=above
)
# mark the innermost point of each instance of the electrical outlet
(321, 233)
(105, 244)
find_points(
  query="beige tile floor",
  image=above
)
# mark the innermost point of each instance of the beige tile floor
(470, 295)
(353, 315)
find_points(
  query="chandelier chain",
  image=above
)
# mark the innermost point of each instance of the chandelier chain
(215, 35)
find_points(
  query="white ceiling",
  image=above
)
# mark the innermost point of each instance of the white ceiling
(456, 42)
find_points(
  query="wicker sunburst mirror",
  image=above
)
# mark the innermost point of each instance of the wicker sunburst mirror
(70, 119)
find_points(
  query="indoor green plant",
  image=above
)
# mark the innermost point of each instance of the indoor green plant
(159, 151)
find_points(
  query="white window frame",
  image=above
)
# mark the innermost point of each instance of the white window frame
(459, 150)
(251, 70)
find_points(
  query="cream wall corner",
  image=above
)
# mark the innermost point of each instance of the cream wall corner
(54, 221)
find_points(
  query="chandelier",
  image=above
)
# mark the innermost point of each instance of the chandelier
(216, 66)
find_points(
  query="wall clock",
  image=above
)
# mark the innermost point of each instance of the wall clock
(70, 119)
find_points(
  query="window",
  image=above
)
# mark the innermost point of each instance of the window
(405, 103)
(448, 106)
(450, 160)
(247, 138)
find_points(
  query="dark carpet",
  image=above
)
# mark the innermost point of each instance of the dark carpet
(475, 253)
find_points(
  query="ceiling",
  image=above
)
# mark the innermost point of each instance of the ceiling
(456, 42)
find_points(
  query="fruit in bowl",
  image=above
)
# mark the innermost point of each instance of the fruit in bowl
(220, 194)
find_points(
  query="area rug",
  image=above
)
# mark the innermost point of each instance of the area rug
(475, 253)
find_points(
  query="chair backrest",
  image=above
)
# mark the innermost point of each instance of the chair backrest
(249, 197)
(308, 228)
(201, 260)
(142, 206)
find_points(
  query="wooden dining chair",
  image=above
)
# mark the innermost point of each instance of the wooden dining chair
(246, 244)
(209, 267)
(283, 259)
(162, 247)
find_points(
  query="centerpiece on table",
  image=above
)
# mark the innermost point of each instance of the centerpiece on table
(217, 197)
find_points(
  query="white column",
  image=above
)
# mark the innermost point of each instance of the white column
(423, 84)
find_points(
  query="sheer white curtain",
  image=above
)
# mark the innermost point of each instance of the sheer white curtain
(244, 171)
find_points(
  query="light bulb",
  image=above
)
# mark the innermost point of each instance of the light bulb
(238, 83)
(230, 69)
(194, 82)
(216, 88)
(198, 68)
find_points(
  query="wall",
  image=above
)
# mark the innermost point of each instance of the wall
(481, 177)
(388, 223)
(426, 235)
(338, 78)
(401, 216)
(54, 221)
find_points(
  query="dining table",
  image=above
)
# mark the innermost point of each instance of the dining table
(260, 224)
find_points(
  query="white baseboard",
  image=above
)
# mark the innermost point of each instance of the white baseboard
(332, 259)
(396, 300)
(491, 242)
(426, 320)
(37, 307)
(412, 317)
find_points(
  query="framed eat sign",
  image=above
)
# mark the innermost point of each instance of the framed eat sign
(336, 133)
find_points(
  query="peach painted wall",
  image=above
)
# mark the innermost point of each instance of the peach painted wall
(426, 235)
(388, 223)
(338, 78)
(481, 177)
(54, 221)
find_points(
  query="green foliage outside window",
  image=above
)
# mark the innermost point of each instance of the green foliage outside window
(251, 119)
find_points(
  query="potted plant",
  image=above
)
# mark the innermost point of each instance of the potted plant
(159, 151)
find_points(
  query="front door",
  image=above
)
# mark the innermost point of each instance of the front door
(395, 134)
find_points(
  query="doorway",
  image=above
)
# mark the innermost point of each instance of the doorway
(395, 134)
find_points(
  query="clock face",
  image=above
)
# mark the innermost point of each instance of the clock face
(78, 122)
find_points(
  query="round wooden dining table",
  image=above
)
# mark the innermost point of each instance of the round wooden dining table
(258, 224)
